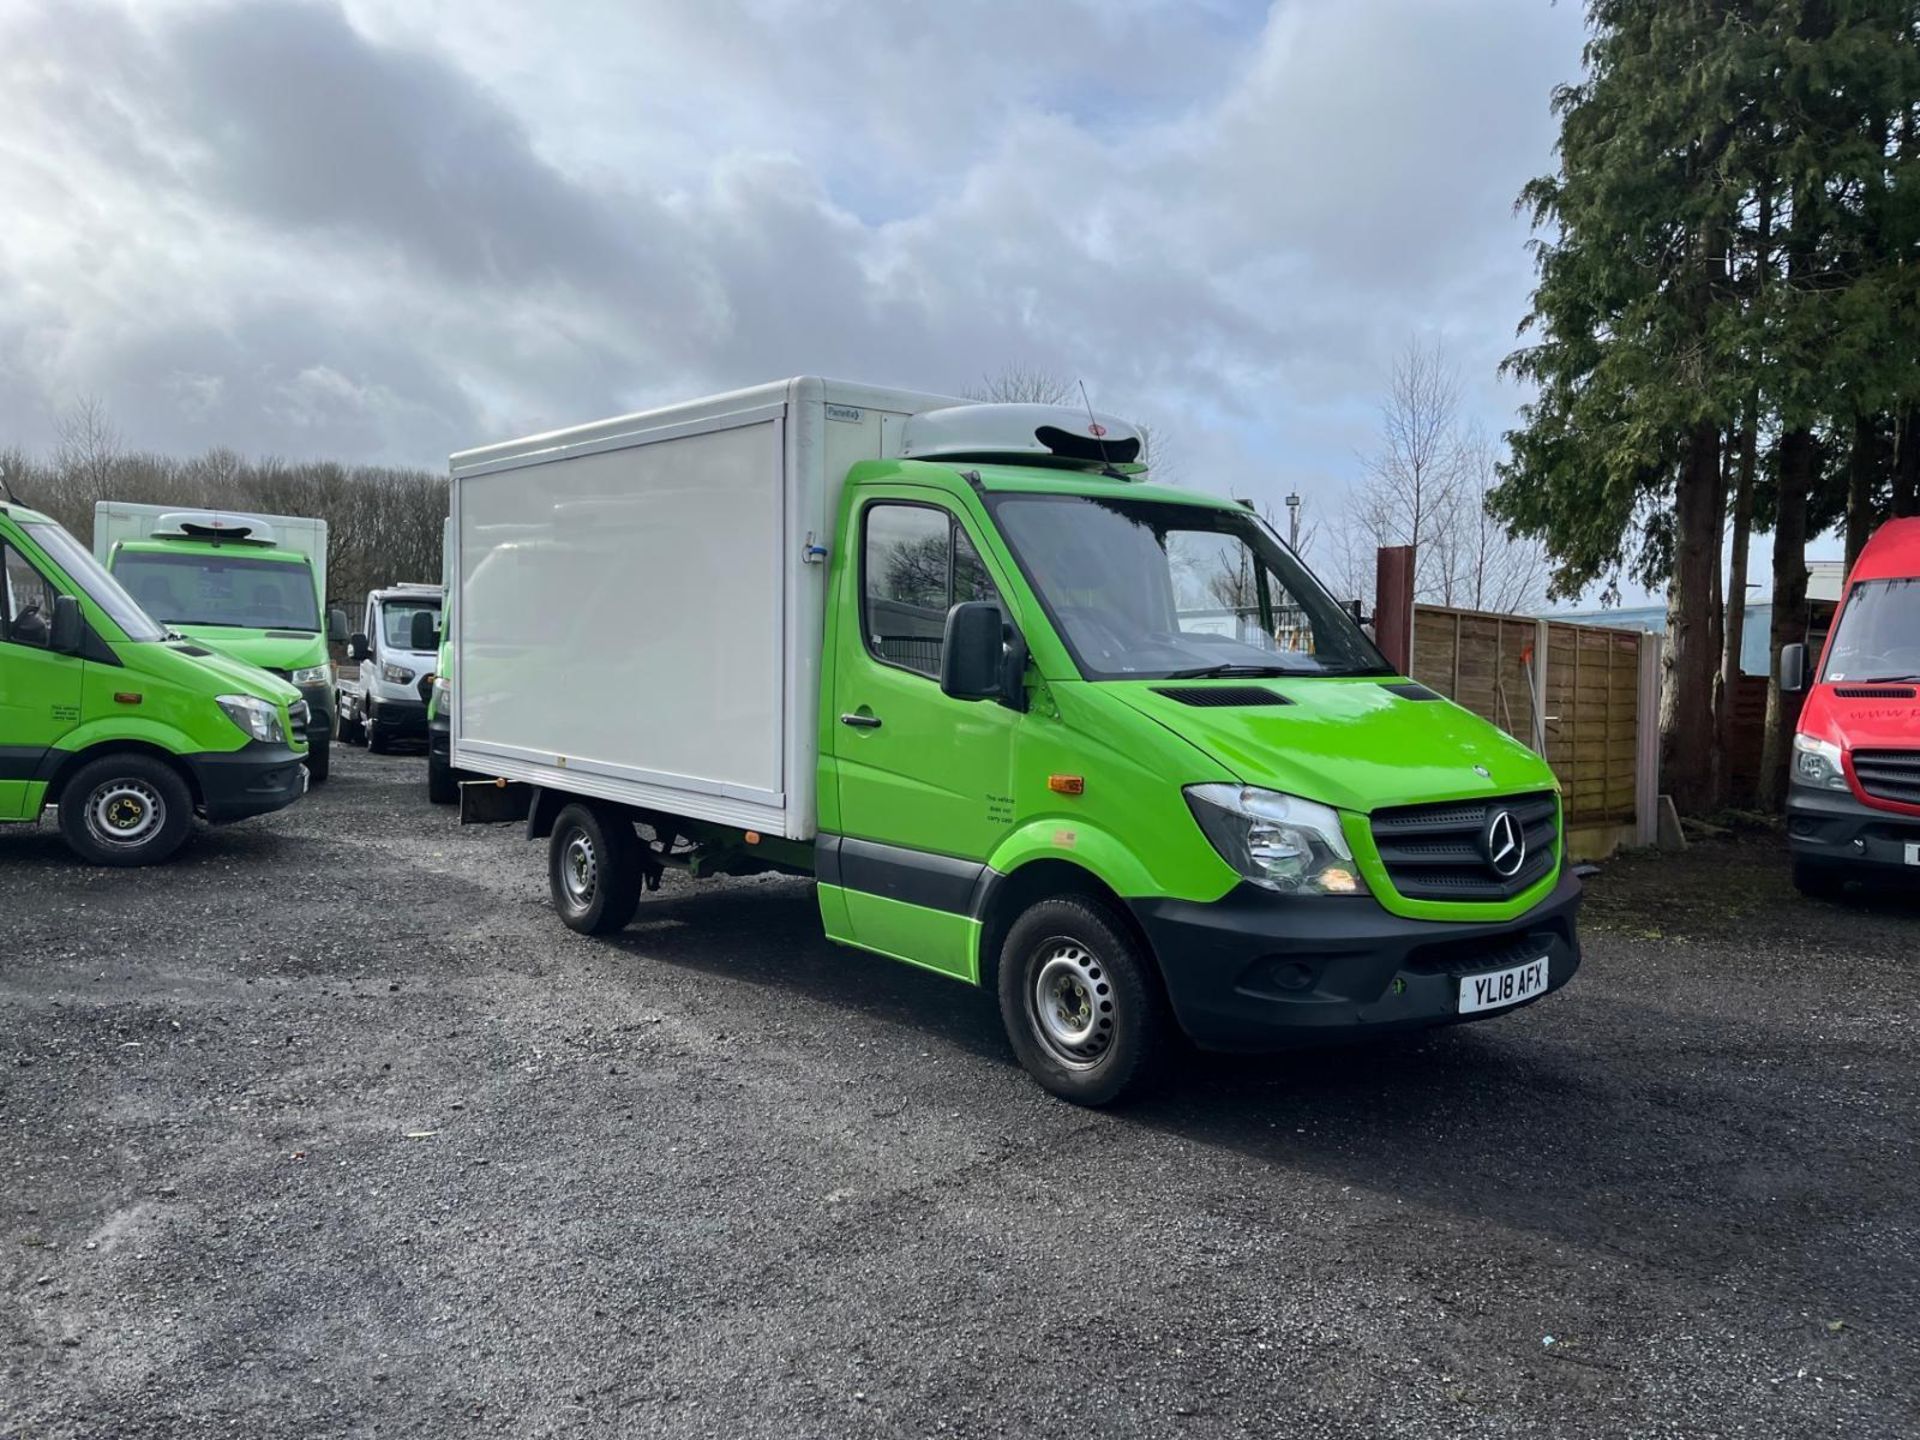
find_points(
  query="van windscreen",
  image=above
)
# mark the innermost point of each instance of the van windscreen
(1151, 589)
(1878, 637)
(237, 591)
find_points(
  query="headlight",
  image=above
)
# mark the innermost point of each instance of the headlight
(1279, 842)
(1817, 763)
(314, 675)
(258, 718)
(396, 674)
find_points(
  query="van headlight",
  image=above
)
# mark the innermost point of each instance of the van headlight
(396, 674)
(1279, 842)
(258, 718)
(314, 675)
(1817, 763)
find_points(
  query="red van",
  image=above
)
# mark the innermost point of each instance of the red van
(1853, 808)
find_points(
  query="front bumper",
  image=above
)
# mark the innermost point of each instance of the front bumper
(254, 780)
(1259, 971)
(321, 723)
(1831, 828)
(397, 717)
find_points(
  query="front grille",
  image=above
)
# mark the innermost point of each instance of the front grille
(1222, 696)
(1439, 852)
(1889, 774)
(1874, 692)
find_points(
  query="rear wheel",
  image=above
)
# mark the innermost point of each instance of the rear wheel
(593, 870)
(1080, 1002)
(125, 810)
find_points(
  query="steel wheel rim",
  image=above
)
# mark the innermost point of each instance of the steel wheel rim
(124, 812)
(579, 870)
(1072, 1004)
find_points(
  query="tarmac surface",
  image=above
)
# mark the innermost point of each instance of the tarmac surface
(328, 1127)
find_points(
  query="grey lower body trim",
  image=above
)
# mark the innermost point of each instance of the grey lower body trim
(895, 872)
(22, 762)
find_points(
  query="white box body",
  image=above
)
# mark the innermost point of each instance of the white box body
(638, 616)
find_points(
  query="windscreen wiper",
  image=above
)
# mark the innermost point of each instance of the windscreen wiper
(1883, 679)
(1209, 672)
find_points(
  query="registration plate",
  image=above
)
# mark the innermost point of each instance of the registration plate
(1503, 987)
(1913, 854)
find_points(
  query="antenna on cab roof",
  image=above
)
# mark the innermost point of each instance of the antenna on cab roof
(1099, 433)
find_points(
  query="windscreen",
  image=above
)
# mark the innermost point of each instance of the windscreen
(238, 591)
(1148, 589)
(106, 592)
(1878, 637)
(396, 620)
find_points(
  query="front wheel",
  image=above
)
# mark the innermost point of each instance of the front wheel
(125, 810)
(1817, 881)
(1080, 1001)
(593, 869)
(319, 758)
(443, 786)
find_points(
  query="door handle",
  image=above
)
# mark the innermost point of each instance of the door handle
(861, 722)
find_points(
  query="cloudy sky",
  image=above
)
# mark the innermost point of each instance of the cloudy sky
(386, 229)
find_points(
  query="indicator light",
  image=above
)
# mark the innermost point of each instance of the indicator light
(1067, 784)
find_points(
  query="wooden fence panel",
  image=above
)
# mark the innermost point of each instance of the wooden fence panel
(1589, 730)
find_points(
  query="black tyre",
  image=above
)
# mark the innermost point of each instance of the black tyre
(1081, 1002)
(352, 732)
(593, 869)
(125, 810)
(319, 758)
(1820, 882)
(379, 742)
(443, 786)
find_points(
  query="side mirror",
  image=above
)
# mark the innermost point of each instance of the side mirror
(426, 634)
(1793, 669)
(69, 630)
(1359, 613)
(336, 626)
(358, 649)
(982, 657)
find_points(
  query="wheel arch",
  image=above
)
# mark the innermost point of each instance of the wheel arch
(1007, 896)
(70, 762)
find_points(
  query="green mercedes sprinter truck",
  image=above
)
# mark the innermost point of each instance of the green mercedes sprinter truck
(1030, 720)
(250, 586)
(129, 728)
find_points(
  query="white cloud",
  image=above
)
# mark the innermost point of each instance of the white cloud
(392, 229)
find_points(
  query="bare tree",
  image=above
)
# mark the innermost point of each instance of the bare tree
(1018, 384)
(89, 445)
(1412, 484)
(1489, 569)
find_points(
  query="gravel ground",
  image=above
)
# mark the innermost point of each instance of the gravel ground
(330, 1128)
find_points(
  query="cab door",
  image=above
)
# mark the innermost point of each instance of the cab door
(39, 690)
(924, 780)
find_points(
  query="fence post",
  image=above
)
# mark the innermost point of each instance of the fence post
(1646, 768)
(1393, 605)
(1541, 630)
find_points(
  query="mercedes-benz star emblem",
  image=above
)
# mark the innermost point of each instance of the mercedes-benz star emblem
(1505, 843)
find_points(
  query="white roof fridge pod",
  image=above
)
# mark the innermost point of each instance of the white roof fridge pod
(641, 600)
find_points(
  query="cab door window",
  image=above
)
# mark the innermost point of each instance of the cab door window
(917, 563)
(26, 616)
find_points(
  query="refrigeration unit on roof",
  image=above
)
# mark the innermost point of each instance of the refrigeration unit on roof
(209, 525)
(1024, 435)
